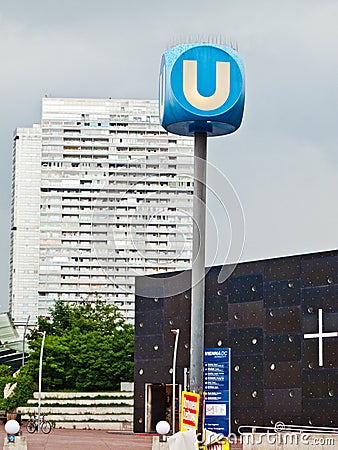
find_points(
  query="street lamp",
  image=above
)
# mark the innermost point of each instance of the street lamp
(12, 427)
(162, 428)
(23, 341)
(40, 379)
(177, 333)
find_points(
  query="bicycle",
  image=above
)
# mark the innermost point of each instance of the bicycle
(33, 425)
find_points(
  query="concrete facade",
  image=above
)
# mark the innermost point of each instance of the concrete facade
(101, 193)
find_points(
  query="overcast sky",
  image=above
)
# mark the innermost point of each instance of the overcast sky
(282, 163)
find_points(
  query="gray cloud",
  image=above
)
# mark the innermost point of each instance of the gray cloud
(282, 162)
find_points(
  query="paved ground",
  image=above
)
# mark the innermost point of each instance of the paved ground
(60, 439)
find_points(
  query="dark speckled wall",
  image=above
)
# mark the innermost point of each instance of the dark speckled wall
(262, 312)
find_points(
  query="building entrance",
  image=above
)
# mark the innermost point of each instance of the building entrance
(158, 405)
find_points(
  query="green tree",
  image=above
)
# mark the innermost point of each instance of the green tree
(23, 379)
(88, 347)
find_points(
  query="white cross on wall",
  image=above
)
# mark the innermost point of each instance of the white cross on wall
(320, 335)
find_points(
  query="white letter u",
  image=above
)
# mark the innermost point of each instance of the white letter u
(222, 89)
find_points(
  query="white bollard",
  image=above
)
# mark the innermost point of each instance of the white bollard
(13, 442)
(160, 442)
(157, 445)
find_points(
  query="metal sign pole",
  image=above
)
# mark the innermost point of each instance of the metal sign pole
(198, 265)
(195, 99)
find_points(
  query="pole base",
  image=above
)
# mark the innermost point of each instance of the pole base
(18, 444)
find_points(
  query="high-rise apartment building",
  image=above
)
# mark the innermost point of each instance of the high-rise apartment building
(101, 193)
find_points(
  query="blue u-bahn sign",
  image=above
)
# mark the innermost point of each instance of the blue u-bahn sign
(217, 388)
(202, 88)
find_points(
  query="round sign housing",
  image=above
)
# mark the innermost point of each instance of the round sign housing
(202, 88)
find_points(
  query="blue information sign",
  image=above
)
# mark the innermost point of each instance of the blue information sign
(217, 389)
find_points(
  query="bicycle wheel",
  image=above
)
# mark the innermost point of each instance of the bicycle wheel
(31, 426)
(46, 427)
